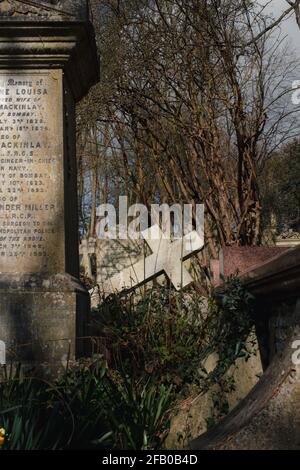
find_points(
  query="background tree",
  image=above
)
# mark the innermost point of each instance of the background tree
(192, 102)
(281, 188)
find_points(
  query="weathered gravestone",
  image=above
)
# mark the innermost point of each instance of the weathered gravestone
(167, 257)
(48, 61)
(288, 238)
(102, 259)
(125, 265)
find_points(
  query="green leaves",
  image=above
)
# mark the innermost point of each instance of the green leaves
(138, 414)
(166, 335)
(160, 334)
(30, 418)
(231, 311)
(155, 348)
(86, 408)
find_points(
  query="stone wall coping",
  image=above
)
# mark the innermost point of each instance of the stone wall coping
(279, 276)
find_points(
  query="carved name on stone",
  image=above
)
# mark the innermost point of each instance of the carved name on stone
(31, 172)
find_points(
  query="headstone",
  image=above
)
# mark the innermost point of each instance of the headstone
(48, 61)
(113, 256)
(109, 258)
(288, 238)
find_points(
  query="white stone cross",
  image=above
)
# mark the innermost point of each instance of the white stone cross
(167, 257)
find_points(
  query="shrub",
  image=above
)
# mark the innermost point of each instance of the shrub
(167, 334)
(155, 346)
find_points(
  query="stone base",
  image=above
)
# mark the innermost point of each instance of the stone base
(43, 319)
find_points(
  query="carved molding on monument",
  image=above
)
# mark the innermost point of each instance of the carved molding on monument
(14, 8)
(69, 46)
(28, 9)
(62, 282)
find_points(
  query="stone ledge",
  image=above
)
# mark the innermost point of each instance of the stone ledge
(61, 282)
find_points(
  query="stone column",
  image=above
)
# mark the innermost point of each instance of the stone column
(48, 62)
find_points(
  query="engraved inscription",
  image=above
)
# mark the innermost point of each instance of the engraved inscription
(31, 172)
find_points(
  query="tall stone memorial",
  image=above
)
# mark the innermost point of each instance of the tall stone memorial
(48, 62)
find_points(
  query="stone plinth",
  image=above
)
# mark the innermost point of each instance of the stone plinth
(43, 318)
(48, 61)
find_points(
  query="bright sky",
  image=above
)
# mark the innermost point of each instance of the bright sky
(289, 26)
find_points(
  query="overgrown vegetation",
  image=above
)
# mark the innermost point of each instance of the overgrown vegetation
(155, 347)
(167, 334)
(84, 409)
